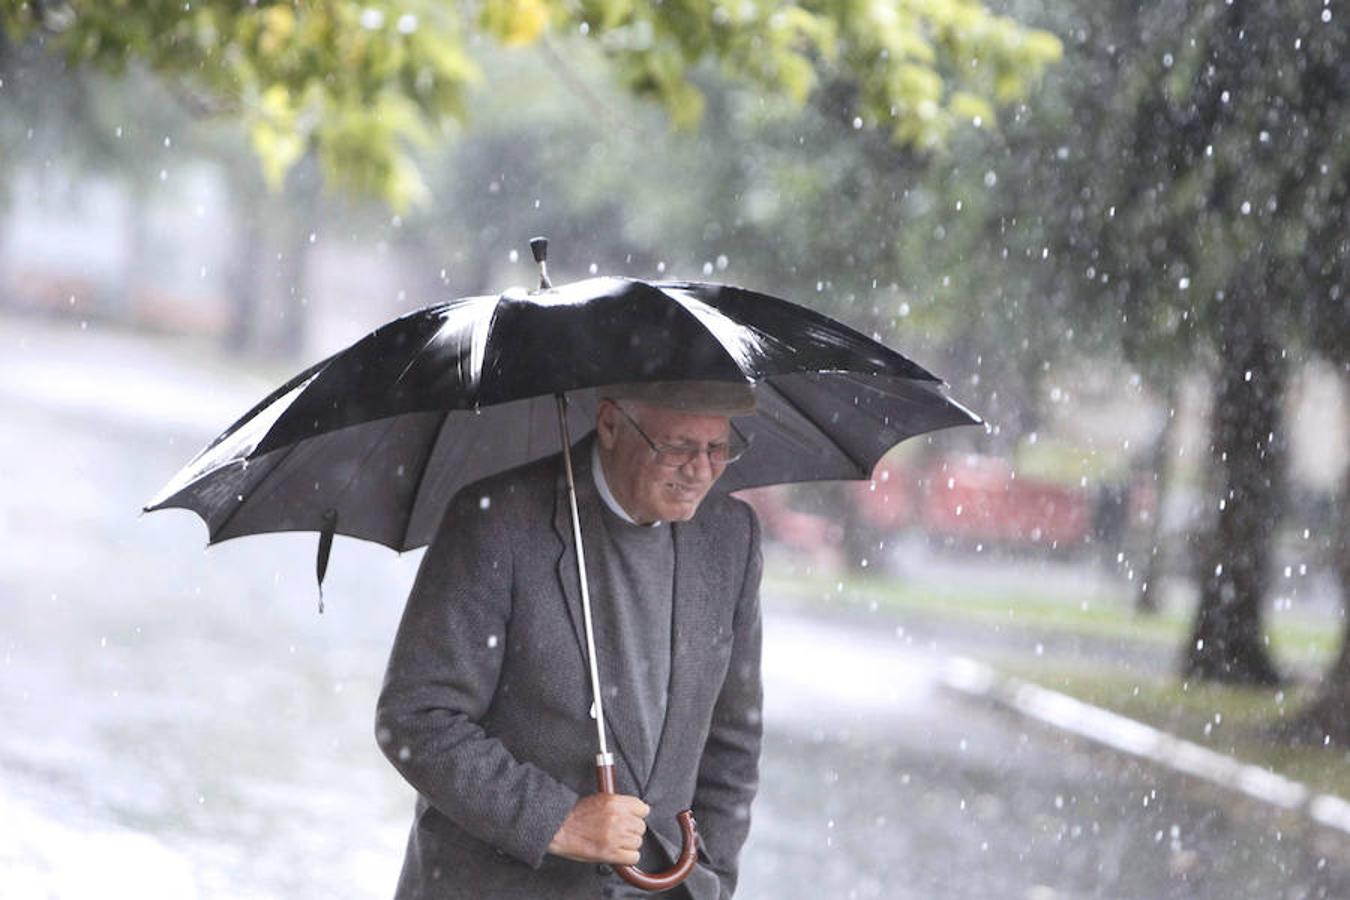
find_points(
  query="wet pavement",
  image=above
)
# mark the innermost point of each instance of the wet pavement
(182, 723)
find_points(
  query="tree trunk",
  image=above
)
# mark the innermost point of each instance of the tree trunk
(1228, 642)
(245, 274)
(302, 202)
(294, 331)
(6, 289)
(1146, 602)
(127, 305)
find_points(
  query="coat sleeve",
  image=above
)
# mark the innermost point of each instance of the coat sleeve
(442, 675)
(728, 775)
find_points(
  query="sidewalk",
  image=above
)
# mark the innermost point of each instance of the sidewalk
(980, 682)
(38, 854)
(123, 378)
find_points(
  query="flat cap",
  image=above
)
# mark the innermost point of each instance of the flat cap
(717, 398)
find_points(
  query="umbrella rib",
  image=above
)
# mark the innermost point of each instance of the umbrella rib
(418, 355)
(698, 320)
(864, 469)
(432, 337)
(421, 477)
(249, 495)
(709, 312)
(291, 449)
(374, 445)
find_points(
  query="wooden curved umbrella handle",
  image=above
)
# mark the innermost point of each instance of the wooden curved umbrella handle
(656, 881)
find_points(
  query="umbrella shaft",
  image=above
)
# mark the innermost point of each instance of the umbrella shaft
(581, 574)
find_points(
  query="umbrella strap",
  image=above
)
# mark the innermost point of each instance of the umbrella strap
(326, 533)
(599, 708)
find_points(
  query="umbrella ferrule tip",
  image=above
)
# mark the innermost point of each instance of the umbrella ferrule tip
(539, 247)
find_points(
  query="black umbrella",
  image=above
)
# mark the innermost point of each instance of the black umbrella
(375, 440)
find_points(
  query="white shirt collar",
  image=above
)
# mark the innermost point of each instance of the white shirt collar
(602, 486)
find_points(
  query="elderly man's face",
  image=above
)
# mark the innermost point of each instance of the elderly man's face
(647, 489)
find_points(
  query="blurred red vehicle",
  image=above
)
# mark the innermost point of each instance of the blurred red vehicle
(975, 498)
(967, 498)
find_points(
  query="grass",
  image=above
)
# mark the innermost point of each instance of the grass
(1296, 638)
(1231, 720)
(1061, 462)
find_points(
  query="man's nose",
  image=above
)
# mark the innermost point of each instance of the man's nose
(701, 466)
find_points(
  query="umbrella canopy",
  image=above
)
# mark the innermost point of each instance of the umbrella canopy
(375, 440)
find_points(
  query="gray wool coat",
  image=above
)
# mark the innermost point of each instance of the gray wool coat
(485, 708)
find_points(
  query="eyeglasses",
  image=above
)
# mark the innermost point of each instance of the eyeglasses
(722, 454)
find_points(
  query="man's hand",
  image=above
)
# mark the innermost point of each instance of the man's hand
(603, 828)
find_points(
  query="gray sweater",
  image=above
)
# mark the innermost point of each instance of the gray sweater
(633, 597)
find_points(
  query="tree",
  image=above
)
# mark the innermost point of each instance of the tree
(362, 83)
(1205, 216)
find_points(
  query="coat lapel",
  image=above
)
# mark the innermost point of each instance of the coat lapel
(567, 558)
(689, 632)
(618, 694)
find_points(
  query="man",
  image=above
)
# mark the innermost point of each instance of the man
(486, 704)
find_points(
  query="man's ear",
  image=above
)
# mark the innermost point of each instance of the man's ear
(607, 424)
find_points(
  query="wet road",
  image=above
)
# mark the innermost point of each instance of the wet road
(182, 723)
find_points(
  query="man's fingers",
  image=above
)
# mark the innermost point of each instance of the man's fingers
(632, 805)
(603, 828)
(629, 828)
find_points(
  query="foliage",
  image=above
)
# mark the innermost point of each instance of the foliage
(355, 81)
(1205, 160)
(362, 83)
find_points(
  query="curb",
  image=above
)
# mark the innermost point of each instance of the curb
(1100, 726)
